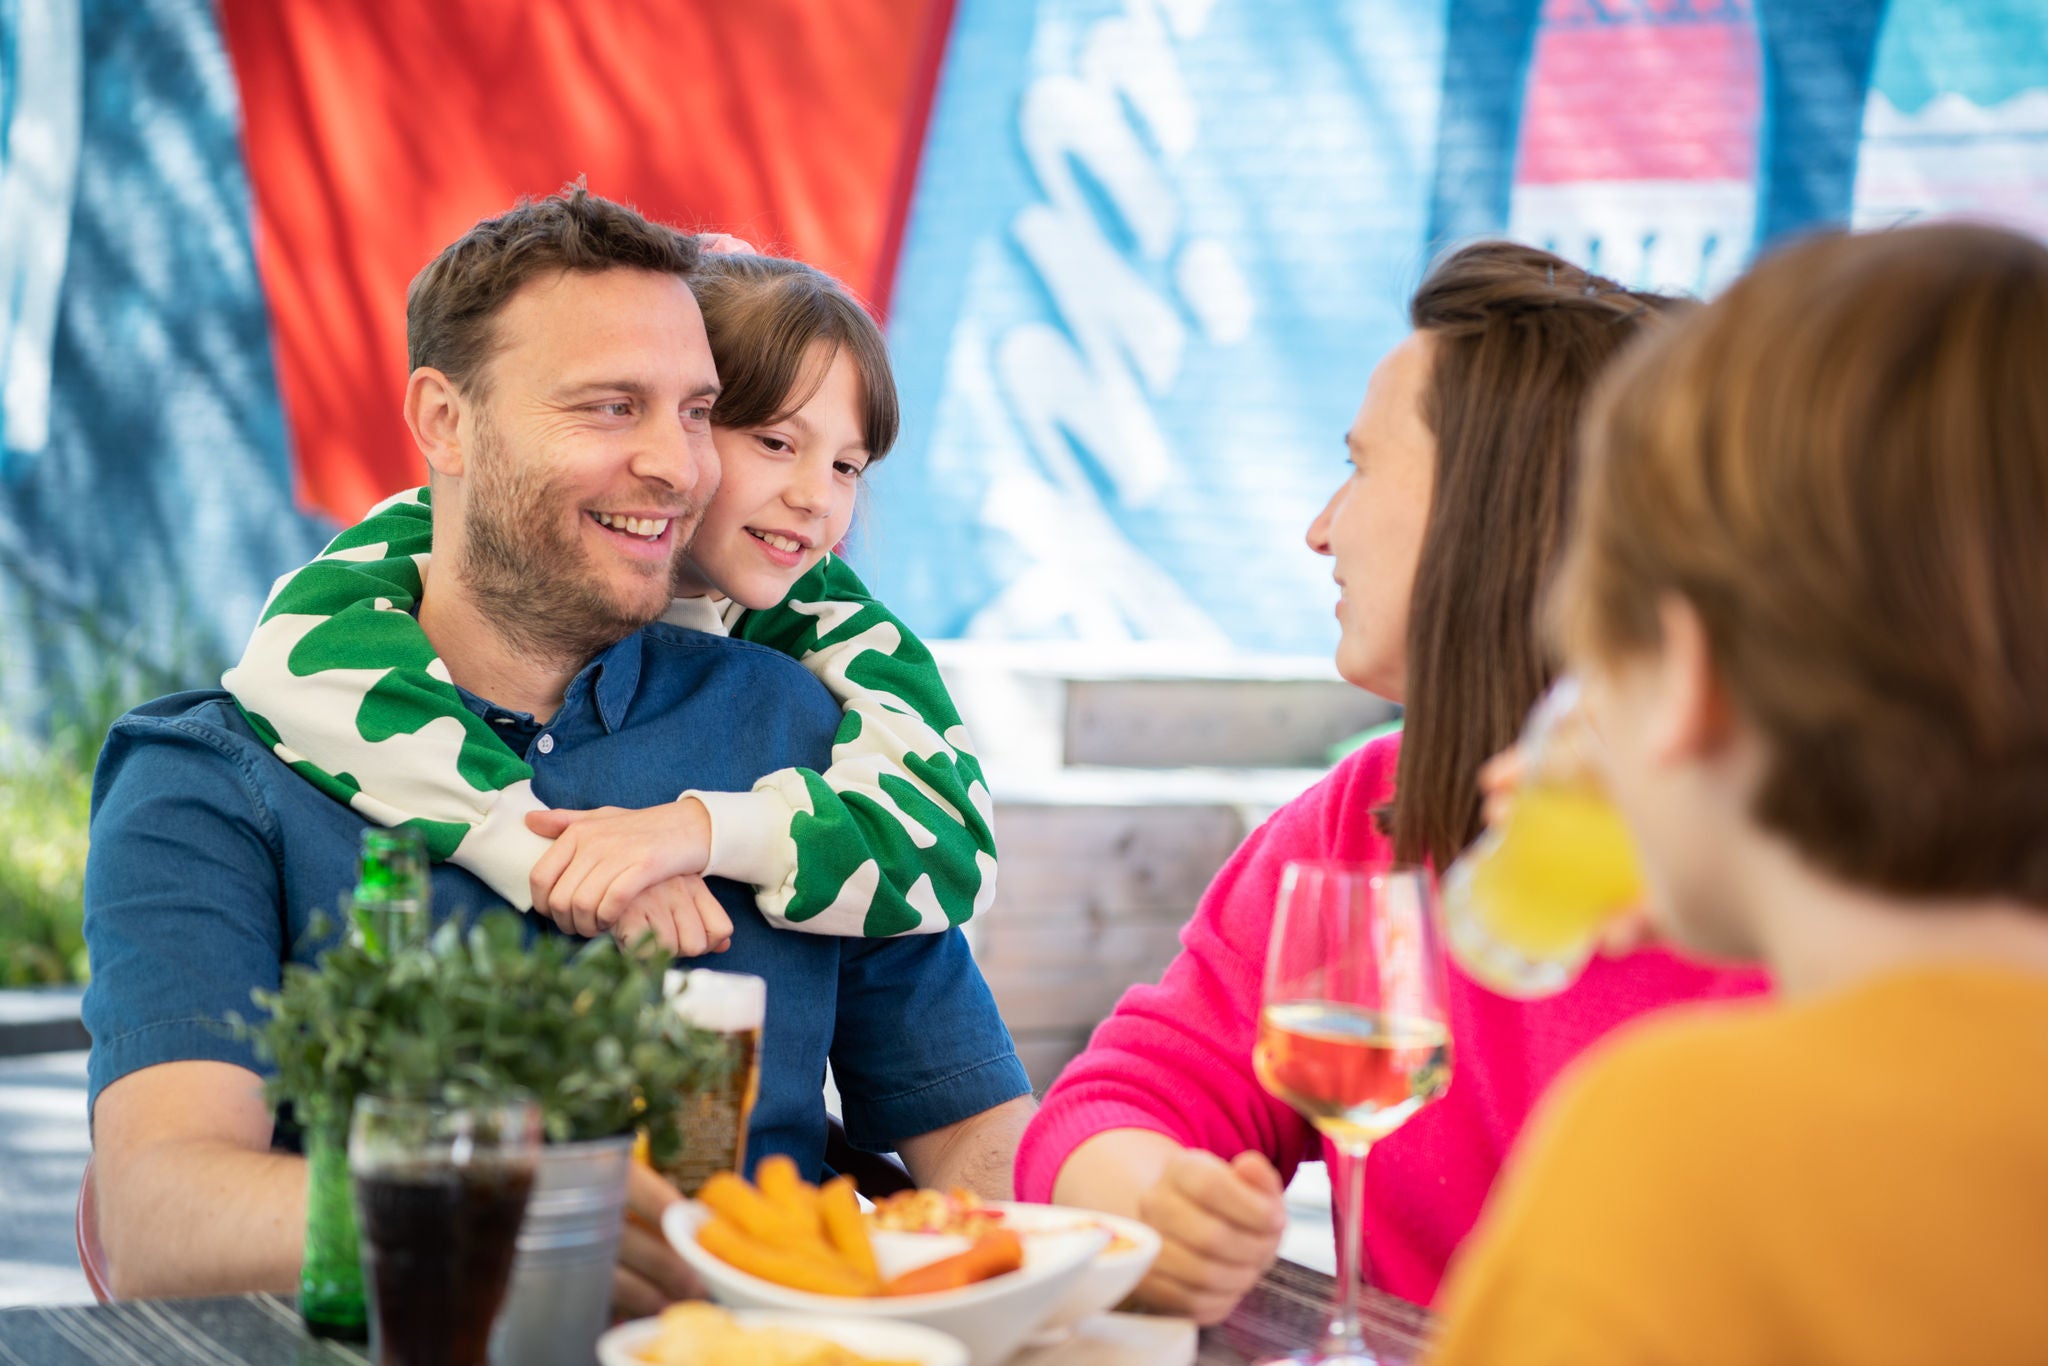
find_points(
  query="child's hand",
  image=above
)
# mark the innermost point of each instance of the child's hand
(725, 244)
(605, 859)
(1499, 779)
(681, 913)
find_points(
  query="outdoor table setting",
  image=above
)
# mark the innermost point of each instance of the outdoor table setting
(1286, 1312)
(471, 1105)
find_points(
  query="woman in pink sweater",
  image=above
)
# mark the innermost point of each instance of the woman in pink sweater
(1461, 459)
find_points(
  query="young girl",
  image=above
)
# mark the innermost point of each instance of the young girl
(1805, 597)
(894, 836)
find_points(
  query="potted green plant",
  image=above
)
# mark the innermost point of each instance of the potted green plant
(473, 1017)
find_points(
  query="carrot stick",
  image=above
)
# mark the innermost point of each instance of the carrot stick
(845, 1229)
(796, 1270)
(729, 1196)
(992, 1255)
(777, 1180)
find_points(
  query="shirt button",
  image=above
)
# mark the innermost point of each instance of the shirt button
(547, 744)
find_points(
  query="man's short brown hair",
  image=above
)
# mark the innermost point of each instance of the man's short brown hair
(450, 308)
(1842, 465)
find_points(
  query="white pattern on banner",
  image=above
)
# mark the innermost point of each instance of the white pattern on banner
(38, 182)
(1083, 391)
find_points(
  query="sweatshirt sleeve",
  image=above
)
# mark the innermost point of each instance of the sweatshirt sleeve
(895, 836)
(1176, 1058)
(342, 684)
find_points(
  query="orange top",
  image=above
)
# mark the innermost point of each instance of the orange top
(1862, 1178)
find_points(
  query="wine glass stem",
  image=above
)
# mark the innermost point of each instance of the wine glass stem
(1344, 1336)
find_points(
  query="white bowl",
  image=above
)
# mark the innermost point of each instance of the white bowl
(1113, 1274)
(991, 1318)
(870, 1337)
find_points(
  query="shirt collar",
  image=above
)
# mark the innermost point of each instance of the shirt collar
(613, 679)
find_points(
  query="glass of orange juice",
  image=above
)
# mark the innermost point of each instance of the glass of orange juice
(1525, 905)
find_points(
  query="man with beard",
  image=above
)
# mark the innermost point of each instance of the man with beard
(561, 395)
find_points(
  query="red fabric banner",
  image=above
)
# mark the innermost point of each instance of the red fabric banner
(376, 133)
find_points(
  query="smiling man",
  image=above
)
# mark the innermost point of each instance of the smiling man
(561, 394)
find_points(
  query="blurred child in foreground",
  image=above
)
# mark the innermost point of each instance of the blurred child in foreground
(1807, 595)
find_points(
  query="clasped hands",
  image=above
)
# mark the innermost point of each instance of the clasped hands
(630, 873)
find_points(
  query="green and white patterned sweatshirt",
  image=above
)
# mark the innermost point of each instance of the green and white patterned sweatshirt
(893, 838)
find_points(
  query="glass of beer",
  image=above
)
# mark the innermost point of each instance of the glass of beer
(1525, 905)
(440, 1192)
(1354, 1032)
(714, 1121)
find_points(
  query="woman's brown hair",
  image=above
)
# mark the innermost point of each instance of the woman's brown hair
(1842, 465)
(763, 314)
(1520, 336)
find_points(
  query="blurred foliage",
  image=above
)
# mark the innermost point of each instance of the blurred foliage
(481, 1015)
(45, 791)
(46, 767)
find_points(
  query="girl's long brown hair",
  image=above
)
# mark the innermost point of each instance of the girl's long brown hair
(1520, 335)
(763, 314)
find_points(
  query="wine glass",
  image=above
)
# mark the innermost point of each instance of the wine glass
(1354, 1032)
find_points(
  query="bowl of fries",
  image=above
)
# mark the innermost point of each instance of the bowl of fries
(706, 1335)
(787, 1245)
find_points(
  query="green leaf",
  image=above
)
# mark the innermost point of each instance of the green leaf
(483, 1015)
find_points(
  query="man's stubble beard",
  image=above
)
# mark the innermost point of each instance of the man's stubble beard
(529, 579)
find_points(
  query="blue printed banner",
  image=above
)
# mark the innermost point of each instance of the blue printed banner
(1155, 250)
(1158, 245)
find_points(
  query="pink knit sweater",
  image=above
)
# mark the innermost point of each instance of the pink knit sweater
(1177, 1057)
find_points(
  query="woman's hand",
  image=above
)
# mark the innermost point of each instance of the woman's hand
(605, 860)
(1219, 1224)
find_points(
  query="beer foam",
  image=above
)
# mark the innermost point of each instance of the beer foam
(723, 1001)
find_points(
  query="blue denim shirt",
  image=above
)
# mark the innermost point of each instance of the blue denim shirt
(209, 857)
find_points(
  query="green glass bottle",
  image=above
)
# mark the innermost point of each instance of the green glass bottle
(331, 1299)
(390, 906)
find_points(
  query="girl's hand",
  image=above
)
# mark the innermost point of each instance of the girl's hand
(605, 859)
(724, 244)
(682, 914)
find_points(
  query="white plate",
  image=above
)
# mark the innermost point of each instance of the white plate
(869, 1337)
(991, 1318)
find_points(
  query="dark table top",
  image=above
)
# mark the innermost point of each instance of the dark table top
(1286, 1312)
(1289, 1310)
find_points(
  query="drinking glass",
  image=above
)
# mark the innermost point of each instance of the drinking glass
(734, 1006)
(1354, 1033)
(389, 907)
(440, 1191)
(1525, 905)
